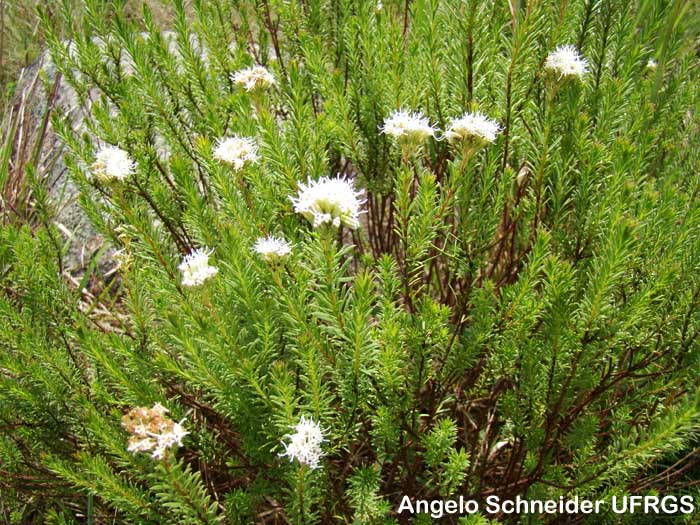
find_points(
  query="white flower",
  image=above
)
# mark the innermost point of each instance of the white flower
(253, 77)
(408, 127)
(112, 163)
(273, 249)
(123, 258)
(145, 444)
(195, 267)
(327, 200)
(305, 443)
(168, 439)
(652, 64)
(236, 151)
(565, 61)
(473, 126)
(152, 431)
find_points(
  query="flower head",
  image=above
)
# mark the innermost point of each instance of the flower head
(255, 77)
(123, 258)
(652, 64)
(305, 443)
(566, 62)
(152, 431)
(168, 439)
(112, 163)
(327, 200)
(473, 127)
(273, 249)
(195, 267)
(237, 151)
(408, 128)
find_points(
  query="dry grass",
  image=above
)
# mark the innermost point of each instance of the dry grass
(22, 155)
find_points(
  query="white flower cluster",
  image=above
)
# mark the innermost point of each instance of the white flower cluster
(475, 127)
(566, 62)
(329, 201)
(112, 163)
(256, 77)
(123, 258)
(169, 439)
(305, 443)
(237, 151)
(273, 249)
(410, 128)
(195, 267)
(152, 431)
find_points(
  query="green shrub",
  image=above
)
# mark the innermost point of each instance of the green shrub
(516, 316)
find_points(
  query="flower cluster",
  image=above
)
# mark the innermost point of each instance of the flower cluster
(195, 267)
(237, 151)
(112, 164)
(252, 78)
(408, 128)
(273, 249)
(329, 201)
(123, 258)
(565, 62)
(305, 443)
(152, 431)
(472, 127)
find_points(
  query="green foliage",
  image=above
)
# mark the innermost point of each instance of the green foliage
(517, 318)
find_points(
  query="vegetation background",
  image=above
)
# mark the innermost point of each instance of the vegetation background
(22, 38)
(441, 403)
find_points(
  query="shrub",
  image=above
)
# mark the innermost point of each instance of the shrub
(432, 248)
